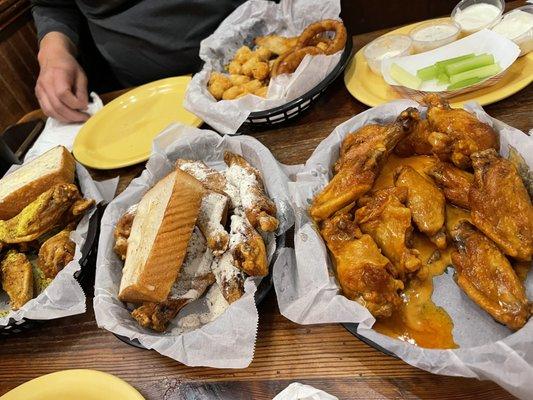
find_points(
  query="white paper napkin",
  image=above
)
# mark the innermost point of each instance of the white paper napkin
(58, 133)
(299, 391)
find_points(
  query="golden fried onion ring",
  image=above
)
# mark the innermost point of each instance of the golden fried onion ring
(288, 62)
(309, 35)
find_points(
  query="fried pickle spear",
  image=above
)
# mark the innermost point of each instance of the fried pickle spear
(487, 277)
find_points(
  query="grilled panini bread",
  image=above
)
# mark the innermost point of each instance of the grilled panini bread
(24, 185)
(159, 236)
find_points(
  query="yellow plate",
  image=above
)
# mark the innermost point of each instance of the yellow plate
(121, 133)
(372, 90)
(74, 384)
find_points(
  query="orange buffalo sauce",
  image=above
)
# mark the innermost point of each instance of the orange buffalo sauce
(419, 320)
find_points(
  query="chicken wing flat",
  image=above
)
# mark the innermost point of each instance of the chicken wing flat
(456, 133)
(388, 221)
(277, 44)
(500, 205)
(454, 183)
(228, 277)
(364, 274)
(362, 155)
(426, 202)
(488, 278)
(56, 252)
(258, 207)
(48, 211)
(17, 278)
(122, 232)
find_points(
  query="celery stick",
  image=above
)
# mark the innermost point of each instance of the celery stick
(404, 77)
(442, 64)
(469, 63)
(443, 78)
(427, 73)
(482, 72)
(465, 83)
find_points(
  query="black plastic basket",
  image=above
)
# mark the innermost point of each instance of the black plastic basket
(87, 260)
(277, 116)
(262, 291)
(352, 328)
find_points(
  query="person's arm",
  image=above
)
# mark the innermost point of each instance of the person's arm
(62, 85)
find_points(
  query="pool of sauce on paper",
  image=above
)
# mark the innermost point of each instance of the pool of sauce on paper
(419, 320)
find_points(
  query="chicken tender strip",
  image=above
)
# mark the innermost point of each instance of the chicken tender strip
(56, 253)
(211, 179)
(259, 209)
(122, 232)
(211, 220)
(247, 247)
(277, 44)
(17, 278)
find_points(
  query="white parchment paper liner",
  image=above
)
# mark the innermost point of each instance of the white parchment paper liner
(251, 19)
(308, 293)
(64, 296)
(229, 340)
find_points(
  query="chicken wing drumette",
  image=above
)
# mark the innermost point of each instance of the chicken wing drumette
(364, 274)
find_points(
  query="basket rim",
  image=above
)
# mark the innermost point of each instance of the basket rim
(343, 62)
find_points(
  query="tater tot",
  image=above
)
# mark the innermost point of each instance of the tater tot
(237, 80)
(232, 93)
(322, 46)
(262, 91)
(243, 54)
(248, 66)
(260, 71)
(235, 67)
(251, 86)
(218, 84)
(263, 53)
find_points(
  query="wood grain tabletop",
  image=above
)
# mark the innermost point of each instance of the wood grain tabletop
(325, 356)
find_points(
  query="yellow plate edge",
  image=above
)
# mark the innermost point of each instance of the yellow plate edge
(91, 162)
(56, 377)
(352, 82)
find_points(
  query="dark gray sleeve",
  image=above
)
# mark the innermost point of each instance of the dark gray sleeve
(57, 16)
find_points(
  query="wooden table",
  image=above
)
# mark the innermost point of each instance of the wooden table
(325, 356)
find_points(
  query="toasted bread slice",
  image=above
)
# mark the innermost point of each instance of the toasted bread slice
(21, 187)
(159, 236)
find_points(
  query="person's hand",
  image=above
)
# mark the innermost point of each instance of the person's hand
(62, 85)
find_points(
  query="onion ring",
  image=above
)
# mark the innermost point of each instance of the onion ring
(289, 61)
(310, 33)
